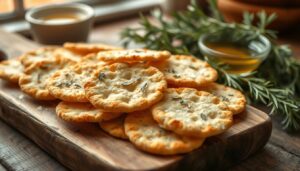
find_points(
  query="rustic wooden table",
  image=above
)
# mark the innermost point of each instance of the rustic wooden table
(281, 153)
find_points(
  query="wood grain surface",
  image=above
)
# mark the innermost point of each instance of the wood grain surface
(2, 168)
(17, 152)
(86, 147)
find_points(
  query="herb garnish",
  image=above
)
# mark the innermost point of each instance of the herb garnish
(176, 98)
(193, 67)
(144, 87)
(276, 83)
(129, 82)
(101, 76)
(171, 70)
(38, 78)
(77, 85)
(176, 76)
(204, 117)
(64, 84)
(224, 99)
(184, 103)
(68, 84)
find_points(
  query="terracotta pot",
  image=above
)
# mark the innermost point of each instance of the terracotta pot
(286, 17)
(281, 3)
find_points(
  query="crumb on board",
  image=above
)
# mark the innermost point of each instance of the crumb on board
(39, 108)
(21, 97)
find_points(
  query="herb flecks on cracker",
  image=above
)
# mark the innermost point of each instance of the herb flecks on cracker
(101, 76)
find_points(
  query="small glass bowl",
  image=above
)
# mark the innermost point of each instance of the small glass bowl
(235, 64)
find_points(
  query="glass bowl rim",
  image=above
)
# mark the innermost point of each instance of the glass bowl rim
(206, 50)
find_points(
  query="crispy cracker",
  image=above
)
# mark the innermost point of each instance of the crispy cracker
(133, 55)
(123, 87)
(189, 112)
(11, 70)
(234, 99)
(68, 54)
(115, 127)
(146, 135)
(33, 81)
(86, 48)
(68, 84)
(186, 71)
(38, 55)
(82, 112)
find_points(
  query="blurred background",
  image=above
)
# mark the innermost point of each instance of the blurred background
(288, 11)
(12, 12)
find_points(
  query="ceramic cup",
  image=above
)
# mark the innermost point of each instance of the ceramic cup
(56, 24)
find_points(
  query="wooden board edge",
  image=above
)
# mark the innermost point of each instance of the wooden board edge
(227, 155)
(16, 117)
(229, 152)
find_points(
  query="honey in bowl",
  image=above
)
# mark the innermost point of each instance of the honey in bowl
(236, 57)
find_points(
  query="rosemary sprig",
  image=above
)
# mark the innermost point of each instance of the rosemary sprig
(280, 100)
(276, 83)
(180, 35)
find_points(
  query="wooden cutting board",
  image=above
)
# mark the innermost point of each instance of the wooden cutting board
(87, 147)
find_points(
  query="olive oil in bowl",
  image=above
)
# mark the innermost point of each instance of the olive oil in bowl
(237, 58)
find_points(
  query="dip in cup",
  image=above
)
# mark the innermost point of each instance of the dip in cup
(56, 24)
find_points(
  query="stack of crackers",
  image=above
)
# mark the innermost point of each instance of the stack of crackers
(164, 104)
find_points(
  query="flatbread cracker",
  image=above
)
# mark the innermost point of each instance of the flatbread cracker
(11, 70)
(86, 48)
(133, 55)
(33, 81)
(82, 112)
(186, 71)
(91, 60)
(68, 54)
(123, 87)
(115, 127)
(189, 112)
(234, 99)
(146, 135)
(41, 54)
(68, 84)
